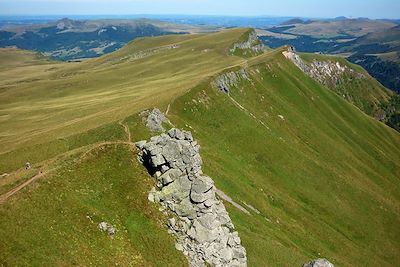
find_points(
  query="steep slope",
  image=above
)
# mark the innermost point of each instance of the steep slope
(317, 169)
(318, 176)
(349, 81)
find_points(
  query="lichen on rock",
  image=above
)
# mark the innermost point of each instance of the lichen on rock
(201, 225)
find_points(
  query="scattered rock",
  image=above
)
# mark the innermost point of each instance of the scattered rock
(106, 227)
(319, 263)
(28, 166)
(202, 227)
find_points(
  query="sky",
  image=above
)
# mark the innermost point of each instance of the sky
(299, 8)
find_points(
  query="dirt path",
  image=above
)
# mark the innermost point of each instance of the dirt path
(127, 131)
(5, 196)
(15, 190)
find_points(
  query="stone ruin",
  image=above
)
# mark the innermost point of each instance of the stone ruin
(200, 223)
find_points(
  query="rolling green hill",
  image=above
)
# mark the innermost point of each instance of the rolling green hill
(321, 175)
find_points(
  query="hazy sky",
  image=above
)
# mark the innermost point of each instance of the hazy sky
(304, 8)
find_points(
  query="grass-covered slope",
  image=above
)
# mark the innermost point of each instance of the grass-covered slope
(323, 175)
(44, 102)
(355, 85)
(55, 222)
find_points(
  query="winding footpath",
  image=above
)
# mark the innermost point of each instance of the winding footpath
(4, 197)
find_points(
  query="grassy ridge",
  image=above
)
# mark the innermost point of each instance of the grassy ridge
(323, 175)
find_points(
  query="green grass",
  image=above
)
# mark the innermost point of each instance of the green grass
(58, 217)
(325, 177)
(365, 93)
(37, 153)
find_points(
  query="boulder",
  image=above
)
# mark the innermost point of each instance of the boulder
(202, 184)
(171, 151)
(319, 263)
(170, 176)
(201, 197)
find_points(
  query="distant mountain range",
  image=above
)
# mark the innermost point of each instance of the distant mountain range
(373, 44)
(68, 39)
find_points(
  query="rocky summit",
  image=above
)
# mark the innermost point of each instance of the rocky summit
(203, 229)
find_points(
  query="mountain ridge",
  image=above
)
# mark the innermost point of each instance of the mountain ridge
(310, 163)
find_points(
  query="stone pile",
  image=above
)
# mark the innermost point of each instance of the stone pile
(203, 229)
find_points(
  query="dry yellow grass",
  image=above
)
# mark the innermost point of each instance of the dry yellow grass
(43, 100)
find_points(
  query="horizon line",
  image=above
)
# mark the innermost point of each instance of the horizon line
(193, 15)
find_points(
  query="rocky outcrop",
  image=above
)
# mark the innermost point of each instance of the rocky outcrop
(225, 81)
(295, 58)
(319, 263)
(154, 120)
(251, 46)
(329, 73)
(203, 229)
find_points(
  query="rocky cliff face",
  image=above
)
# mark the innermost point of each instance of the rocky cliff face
(203, 229)
(329, 73)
